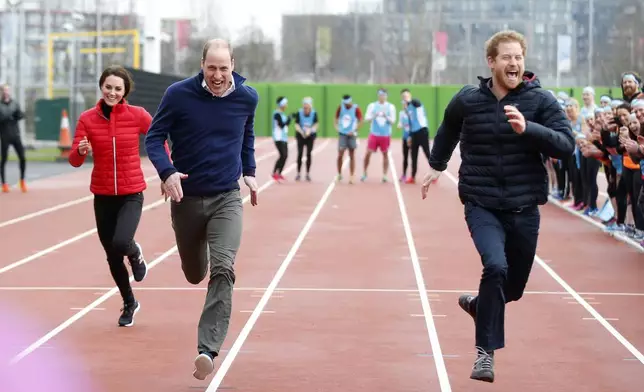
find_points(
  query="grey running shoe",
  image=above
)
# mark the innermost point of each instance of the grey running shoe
(483, 369)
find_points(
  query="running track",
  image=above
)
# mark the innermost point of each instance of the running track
(330, 293)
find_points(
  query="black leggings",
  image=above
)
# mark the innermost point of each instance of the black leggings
(420, 139)
(589, 170)
(405, 148)
(630, 185)
(611, 180)
(301, 143)
(282, 148)
(117, 219)
(5, 143)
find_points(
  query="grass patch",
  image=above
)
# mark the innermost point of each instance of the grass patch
(45, 154)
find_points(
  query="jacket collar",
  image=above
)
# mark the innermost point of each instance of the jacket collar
(238, 80)
(118, 108)
(529, 81)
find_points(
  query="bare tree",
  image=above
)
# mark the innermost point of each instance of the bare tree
(403, 54)
(255, 55)
(622, 51)
(192, 62)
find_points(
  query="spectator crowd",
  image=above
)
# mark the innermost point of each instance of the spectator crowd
(610, 139)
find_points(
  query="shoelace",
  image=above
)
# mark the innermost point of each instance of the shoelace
(483, 361)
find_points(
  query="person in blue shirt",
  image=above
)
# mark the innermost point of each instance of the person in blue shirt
(418, 132)
(281, 121)
(382, 115)
(403, 123)
(306, 126)
(209, 118)
(348, 119)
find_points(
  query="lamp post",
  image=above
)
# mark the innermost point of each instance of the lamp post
(17, 80)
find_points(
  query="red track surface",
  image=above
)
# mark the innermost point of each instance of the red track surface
(340, 318)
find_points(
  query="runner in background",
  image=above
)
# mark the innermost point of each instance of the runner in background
(418, 133)
(306, 125)
(382, 115)
(10, 114)
(348, 119)
(111, 130)
(403, 124)
(280, 136)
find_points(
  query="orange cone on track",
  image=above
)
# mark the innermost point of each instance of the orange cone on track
(65, 138)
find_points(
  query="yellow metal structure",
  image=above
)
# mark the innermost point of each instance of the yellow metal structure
(103, 50)
(136, 50)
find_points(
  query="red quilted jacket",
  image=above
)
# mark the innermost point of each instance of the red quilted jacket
(114, 146)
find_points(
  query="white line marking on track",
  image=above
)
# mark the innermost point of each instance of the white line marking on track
(88, 233)
(441, 370)
(251, 311)
(57, 207)
(62, 244)
(594, 319)
(618, 236)
(409, 292)
(634, 351)
(250, 323)
(84, 308)
(114, 290)
(38, 343)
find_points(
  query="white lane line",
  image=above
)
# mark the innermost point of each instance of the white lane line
(250, 323)
(636, 353)
(64, 325)
(441, 369)
(57, 207)
(84, 199)
(90, 232)
(114, 290)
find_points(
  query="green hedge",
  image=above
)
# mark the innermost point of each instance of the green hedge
(326, 99)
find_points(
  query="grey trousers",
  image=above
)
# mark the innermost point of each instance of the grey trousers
(208, 230)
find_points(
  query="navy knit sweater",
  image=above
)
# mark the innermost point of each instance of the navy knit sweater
(212, 138)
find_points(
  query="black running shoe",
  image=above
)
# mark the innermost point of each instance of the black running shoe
(465, 302)
(128, 312)
(139, 266)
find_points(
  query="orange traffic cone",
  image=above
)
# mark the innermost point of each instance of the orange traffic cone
(65, 138)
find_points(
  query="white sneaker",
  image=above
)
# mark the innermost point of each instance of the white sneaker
(203, 366)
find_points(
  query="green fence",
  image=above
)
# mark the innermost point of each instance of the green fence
(326, 99)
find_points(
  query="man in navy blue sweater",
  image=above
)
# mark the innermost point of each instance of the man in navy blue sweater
(209, 119)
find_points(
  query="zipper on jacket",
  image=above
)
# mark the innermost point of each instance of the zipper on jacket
(114, 160)
(500, 178)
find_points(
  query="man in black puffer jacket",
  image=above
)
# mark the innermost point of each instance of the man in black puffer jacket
(504, 125)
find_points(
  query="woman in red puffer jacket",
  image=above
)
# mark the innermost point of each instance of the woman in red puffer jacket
(111, 130)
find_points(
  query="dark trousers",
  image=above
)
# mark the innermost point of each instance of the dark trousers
(564, 176)
(282, 149)
(301, 143)
(14, 141)
(576, 178)
(589, 170)
(629, 187)
(419, 140)
(507, 243)
(208, 231)
(117, 219)
(405, 151)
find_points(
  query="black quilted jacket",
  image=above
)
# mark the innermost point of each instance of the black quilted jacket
(500, 169)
